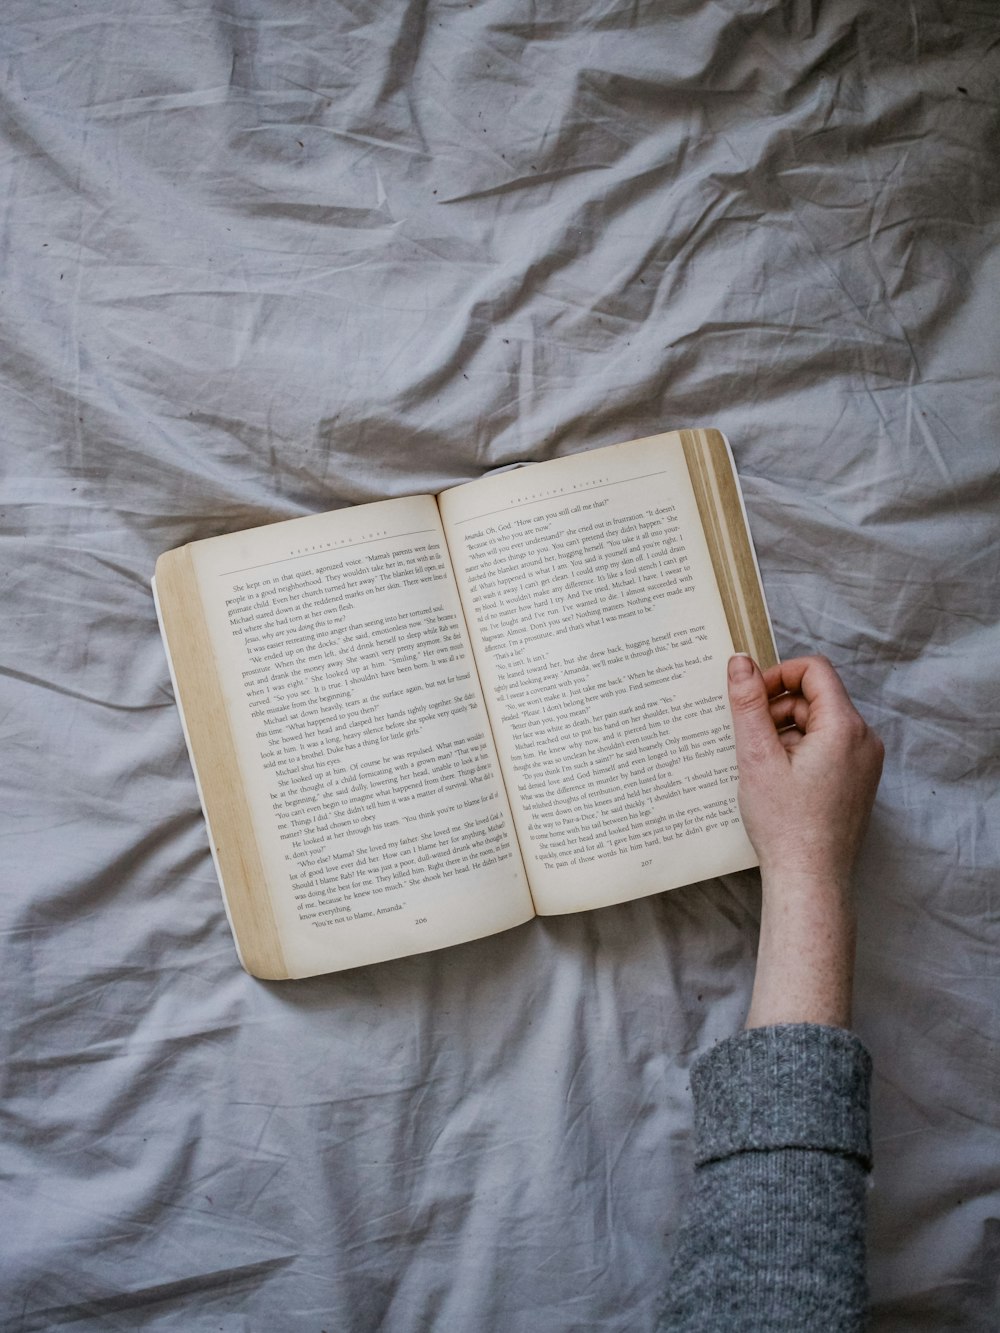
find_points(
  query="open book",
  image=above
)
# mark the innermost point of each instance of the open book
(425, 720)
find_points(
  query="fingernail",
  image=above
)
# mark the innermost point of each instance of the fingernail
(740, 666)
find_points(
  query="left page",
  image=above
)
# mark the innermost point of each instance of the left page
(360, 733)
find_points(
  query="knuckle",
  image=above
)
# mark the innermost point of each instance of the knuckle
(744, 701)
(752, 754)
(856, 728)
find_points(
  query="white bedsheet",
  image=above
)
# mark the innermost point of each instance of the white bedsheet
(263, 258)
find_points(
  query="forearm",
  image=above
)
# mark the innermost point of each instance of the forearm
(805, 956)
(773, 1238)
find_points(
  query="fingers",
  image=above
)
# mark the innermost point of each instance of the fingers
(753, 728)
(789, 710)
(806, 697)
(791, 737)
(812, 677)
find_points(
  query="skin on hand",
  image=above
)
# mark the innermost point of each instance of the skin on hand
(809, 768)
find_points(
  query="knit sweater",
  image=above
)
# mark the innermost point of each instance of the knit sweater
(774, 1236)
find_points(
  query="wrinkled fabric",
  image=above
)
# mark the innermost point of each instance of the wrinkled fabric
(264, 259)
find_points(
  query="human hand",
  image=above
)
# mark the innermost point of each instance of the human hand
(809, 768)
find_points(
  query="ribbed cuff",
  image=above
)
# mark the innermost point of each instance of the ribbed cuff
(794, 1086)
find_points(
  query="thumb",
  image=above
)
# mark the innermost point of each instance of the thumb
(753, 726)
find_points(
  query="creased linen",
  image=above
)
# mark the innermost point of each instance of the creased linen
(261, 260)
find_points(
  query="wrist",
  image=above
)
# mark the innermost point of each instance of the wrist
(825, 879)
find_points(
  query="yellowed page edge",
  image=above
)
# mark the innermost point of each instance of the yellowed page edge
(727, 531)
(207, 731)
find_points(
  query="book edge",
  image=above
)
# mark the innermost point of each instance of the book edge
(232, 838)
(727, 531)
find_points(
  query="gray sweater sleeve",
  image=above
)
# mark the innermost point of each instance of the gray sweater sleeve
(774, 1236)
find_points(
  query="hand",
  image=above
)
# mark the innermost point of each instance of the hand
(809, 768)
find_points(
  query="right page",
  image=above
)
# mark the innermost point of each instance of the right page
(604, 594)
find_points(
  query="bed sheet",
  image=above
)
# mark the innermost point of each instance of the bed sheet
(265, 257)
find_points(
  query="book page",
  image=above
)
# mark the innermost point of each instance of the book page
(360, 731)
(602, 646)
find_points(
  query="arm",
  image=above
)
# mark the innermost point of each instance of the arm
(809, 767)
(774, 1236)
